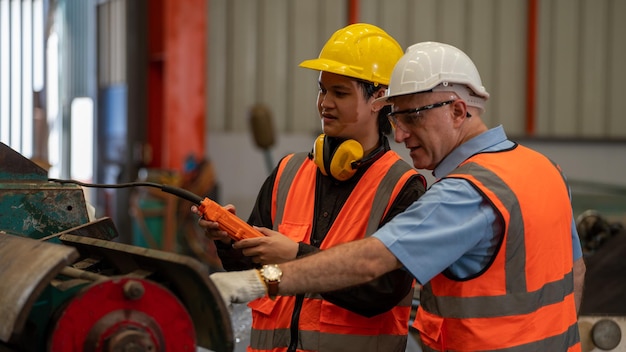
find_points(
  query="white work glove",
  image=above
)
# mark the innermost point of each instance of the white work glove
(239, 286)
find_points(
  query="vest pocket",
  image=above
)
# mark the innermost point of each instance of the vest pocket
(334, 315)
(296, 232)
(429, 326)
(263, 305)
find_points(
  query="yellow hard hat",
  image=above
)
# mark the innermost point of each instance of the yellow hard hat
(361, 51)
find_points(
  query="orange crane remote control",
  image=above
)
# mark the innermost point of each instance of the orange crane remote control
(236, 228)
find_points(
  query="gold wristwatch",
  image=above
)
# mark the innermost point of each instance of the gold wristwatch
(271, 274)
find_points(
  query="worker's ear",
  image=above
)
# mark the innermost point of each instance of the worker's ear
(378, 105)
(380, 92)
(459, 110)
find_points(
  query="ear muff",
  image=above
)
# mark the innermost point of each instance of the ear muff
(318, 153)
(342, 161)
(339, 161)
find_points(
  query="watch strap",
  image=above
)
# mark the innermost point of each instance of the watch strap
(272, 289)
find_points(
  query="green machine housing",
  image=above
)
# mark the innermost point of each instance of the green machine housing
(67, 285)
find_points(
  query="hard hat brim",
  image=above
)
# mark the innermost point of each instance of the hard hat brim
(332, 66)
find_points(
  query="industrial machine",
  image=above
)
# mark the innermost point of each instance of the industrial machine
(67, 285)
(602, 315)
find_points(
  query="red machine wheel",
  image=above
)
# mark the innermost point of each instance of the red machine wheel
(123, 314)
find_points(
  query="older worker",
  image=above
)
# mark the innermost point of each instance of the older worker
(493, 240)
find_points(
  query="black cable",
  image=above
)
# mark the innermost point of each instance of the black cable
(179, 192)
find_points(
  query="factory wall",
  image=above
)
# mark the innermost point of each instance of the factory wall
(553, 70)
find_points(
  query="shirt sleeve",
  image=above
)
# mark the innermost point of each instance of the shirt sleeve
(577, 250)
(451, 227)
(576, 245)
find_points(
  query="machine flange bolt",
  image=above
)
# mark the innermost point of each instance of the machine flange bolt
(133, 290)
(606, 334)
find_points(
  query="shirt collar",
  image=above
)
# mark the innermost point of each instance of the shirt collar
(475, 145)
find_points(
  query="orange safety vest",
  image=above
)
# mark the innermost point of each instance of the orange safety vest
(524, 300)
(324, 326)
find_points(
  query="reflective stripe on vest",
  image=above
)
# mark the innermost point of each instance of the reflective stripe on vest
(557, 343)
(286, 172)
(524, 300)
(323, 325)
(328, 328)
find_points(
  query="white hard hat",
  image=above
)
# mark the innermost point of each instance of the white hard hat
(432, 66)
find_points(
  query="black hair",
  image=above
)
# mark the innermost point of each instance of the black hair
(369, 89)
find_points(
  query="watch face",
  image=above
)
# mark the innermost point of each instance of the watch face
(272, 272)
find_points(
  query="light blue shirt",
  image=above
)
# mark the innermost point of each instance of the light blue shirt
(451, 226)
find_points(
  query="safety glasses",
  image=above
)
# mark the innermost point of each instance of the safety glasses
(407, 117)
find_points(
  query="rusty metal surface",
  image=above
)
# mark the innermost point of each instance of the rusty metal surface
(15, 167)
(186, 277)
(26, 268)
(39, 209)
(102, 229)
(31, 206)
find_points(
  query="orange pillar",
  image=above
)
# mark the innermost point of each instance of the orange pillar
(531, 66)
(353, 11)
(184, 67)
(156, 55)
(175, 89)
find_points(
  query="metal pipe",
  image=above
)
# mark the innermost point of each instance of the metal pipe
(82, 274)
